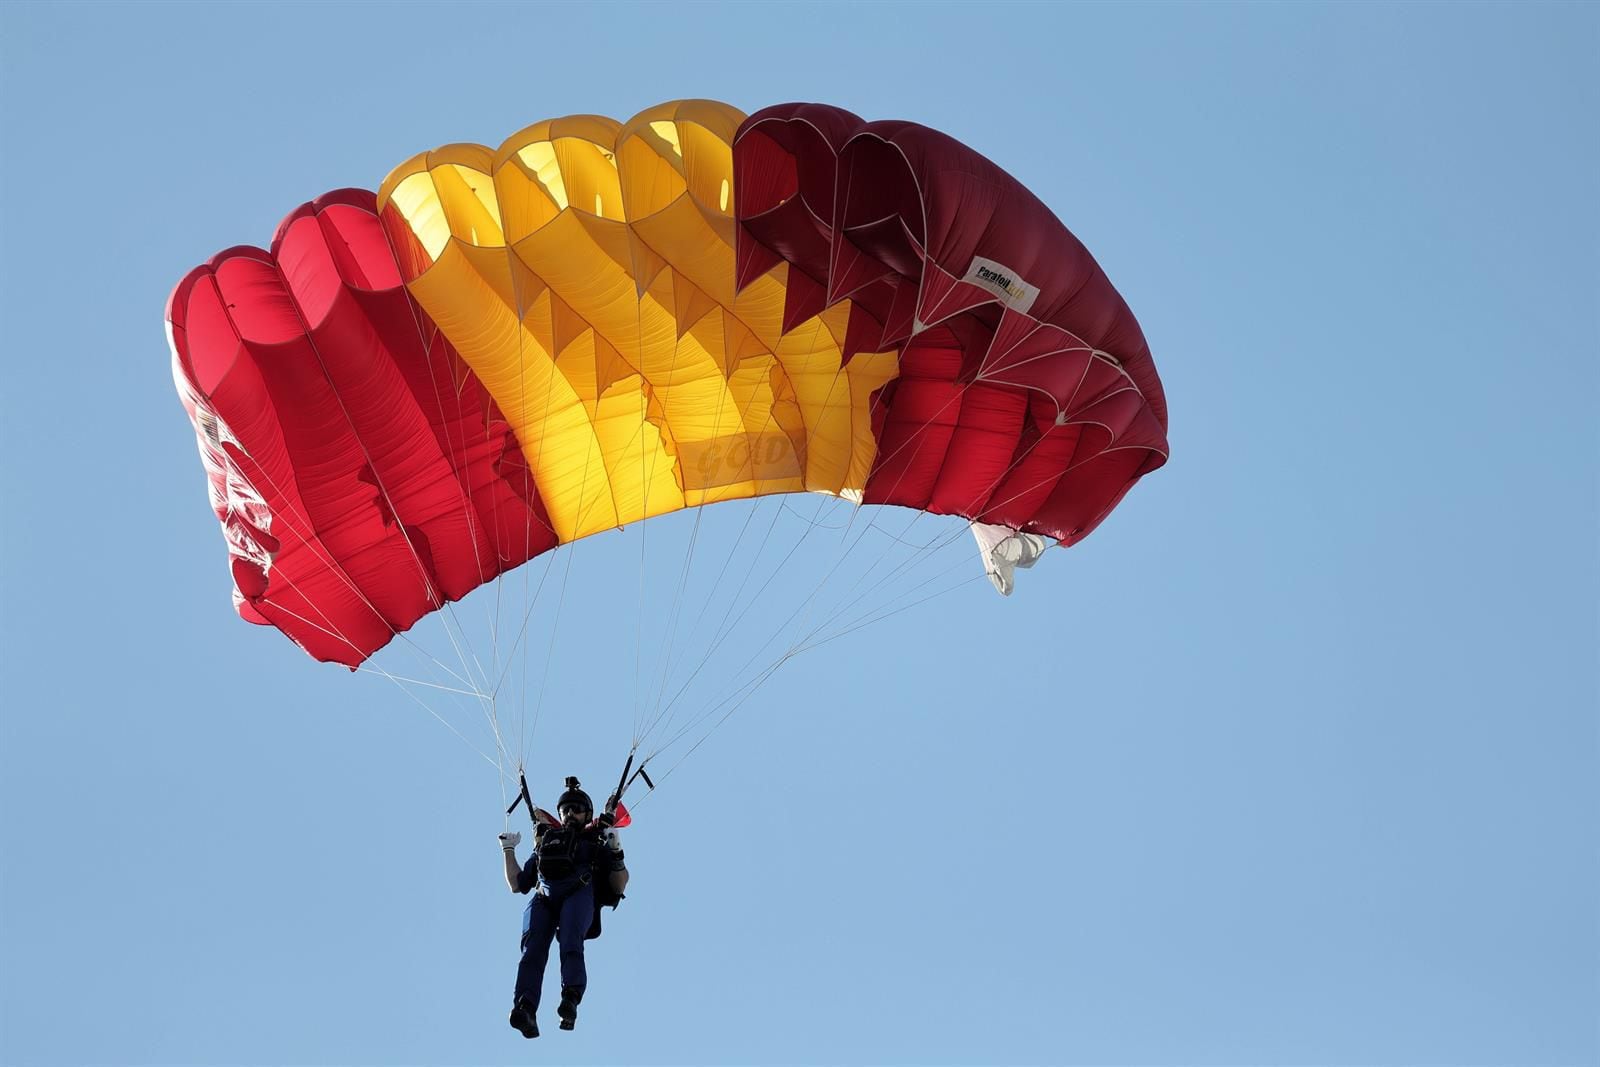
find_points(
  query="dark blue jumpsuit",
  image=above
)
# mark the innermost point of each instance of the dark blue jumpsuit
(562, 870)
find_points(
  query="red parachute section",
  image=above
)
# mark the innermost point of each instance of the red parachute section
(351, 454)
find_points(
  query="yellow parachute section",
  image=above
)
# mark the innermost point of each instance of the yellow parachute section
(585, 272)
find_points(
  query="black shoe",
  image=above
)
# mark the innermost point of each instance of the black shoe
(522, 1019)
(568, 1008)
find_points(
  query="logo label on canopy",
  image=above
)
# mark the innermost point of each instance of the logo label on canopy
(1003, 282)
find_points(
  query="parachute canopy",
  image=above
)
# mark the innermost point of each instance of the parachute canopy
(504, 350)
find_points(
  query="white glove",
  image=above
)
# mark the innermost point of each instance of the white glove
(510, 839)
(612, 841)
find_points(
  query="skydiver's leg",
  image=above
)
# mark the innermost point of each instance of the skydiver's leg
(535, 951)
(577, 912)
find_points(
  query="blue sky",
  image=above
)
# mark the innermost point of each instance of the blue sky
(1293, 761)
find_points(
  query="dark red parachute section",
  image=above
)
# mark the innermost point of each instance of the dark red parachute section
(1026, 396)
(351, 455)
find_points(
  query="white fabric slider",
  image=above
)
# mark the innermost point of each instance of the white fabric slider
(1003, 550)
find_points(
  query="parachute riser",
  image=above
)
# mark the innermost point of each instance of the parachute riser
(526, 800)
(625, 781)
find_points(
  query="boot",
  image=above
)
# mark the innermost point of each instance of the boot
(522, 1019)
(568, 1008)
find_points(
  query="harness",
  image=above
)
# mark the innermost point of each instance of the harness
(566, 852)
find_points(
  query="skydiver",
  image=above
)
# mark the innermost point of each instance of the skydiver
(575, 869)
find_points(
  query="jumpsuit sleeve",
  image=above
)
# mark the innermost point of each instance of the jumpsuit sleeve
(528, 877)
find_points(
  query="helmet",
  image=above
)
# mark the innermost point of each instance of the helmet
(574, 798)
